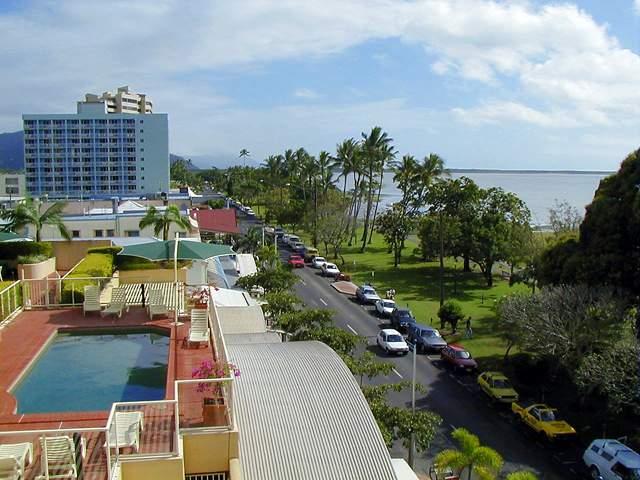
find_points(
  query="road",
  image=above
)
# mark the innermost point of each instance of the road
(454, 397)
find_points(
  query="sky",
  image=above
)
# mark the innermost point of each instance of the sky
(484, 84)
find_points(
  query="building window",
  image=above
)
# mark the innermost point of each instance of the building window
(75, 233)
(97, 233)
(110, 233)
(132, 233)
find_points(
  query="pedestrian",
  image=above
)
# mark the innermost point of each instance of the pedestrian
(469, 331)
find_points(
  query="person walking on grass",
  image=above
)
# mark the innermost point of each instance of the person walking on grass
(469, 331)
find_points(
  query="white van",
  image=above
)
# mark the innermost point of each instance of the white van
(292, 240)
(608, 459)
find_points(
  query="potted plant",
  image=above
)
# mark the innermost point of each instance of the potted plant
(214, 411)
(200, 297)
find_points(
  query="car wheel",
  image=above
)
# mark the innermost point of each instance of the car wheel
(594, 472)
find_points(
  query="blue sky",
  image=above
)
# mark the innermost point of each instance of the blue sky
(485, 84)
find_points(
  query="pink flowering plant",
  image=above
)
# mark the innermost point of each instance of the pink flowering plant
(209, 369)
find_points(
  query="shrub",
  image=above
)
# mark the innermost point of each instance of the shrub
(13, 250)
(93, 265)
(450, 312)
(109, 250)
(28, 259)
(125, 262)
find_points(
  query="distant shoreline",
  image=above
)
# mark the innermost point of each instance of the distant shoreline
(490, 170)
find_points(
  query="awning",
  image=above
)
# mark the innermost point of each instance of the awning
(163, 251)
(12, 237)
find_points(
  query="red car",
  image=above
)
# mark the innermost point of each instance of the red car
(458, 357)
(296, 261)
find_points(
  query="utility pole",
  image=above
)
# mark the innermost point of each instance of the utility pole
(412, 443)
(441, 259)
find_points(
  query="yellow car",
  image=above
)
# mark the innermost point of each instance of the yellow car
(543, 420)
(497, 386)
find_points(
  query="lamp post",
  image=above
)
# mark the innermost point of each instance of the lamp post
(175, 279)
(412, 441)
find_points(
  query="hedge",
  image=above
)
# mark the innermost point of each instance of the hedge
(13, 250)
(125, 262)
(93, 265)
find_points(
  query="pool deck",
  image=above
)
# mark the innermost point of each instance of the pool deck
(23, 338)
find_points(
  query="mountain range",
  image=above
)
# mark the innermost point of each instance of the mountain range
(12, 155)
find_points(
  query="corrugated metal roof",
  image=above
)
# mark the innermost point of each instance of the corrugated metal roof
(247, 319)
(302, 415)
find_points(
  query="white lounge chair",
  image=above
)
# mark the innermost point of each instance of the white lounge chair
(156, 305)
(118, 302)
(91, 300)
(125, 430)
(199, 328)
(13, 458)
(59, 457)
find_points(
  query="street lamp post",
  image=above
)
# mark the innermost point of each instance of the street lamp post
(412, 442)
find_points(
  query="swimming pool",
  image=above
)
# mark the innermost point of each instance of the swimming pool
(89, 371)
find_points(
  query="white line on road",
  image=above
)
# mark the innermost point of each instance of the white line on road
(352, 329)
(303, 282)
(397, 373)
(323, 302)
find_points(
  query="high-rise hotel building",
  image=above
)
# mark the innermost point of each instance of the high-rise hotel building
(113, 146)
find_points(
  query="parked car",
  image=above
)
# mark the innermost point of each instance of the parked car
(544, 420)
(278, 232)
(611, 460)
(458, 357)
(318, 262)
(384, 308)
(401, 318)
(292, 240)
(299, 248)
(391, 341)
(285, 238)
(296, 261)
(330, 270)
(425, 339)
(250, 211)
(367, 294)
(497, 386)
(310, 253)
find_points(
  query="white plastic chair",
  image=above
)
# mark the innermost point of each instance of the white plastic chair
(125, 430)
(59, 457)
(199, 328)
(91, 300)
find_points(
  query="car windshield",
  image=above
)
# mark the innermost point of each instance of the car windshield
(394, 338)
(320, 259)
(404, 314)
(330, 266)
(549, 416)
(368, 291)
(501, 383)
(430, 333)
(464, 355)
(386, 304)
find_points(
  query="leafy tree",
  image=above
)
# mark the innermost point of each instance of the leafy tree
(161, 221)
(522, 475)
(366, 365)
(332, 223)
(30, 212)
(429, 233)
(271, 280)
(483, 462)
(216, 204)
(180, 172)
(341, 341)
(251, 242)
(450, 312)
(279, 303)
(398, 423)
(300, 323)
(565, 322)
(564, 217)
(395, 227)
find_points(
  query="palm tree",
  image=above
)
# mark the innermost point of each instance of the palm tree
(325, 166)
(161, 221)
(251, 241)
(29, 212)
(387, 154)
(484, 462)
(374, 146)
(345, 160)
(405, 172)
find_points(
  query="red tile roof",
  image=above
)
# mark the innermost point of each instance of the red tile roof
(220, 220)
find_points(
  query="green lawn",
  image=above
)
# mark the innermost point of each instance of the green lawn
(416, 284)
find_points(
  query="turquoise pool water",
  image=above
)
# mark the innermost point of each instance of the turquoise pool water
(88, 372)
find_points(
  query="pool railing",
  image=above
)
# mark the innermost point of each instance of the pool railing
(10, 300)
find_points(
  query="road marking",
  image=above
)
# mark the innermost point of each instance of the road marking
(323, 302)
(352, 329)
(303, 282)
(397, 373)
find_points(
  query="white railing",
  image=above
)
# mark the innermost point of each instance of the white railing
(58, 292)
(10, 300)
(205, 404)
(46, 454)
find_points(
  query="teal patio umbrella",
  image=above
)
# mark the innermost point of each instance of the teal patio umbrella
(187, 250)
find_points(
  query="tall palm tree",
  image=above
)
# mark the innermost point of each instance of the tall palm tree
(405, 172)
(250, 242)
(484, 462)
(373, 148)
(29, 212)
(244, 153)
(325, 166)
(387, 154)
(345, 160)
(161, 221)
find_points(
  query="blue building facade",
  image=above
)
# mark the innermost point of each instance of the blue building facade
(95, 154)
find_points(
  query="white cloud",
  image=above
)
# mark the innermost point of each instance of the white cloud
(504, 112)
(306, 93)
(636, 5)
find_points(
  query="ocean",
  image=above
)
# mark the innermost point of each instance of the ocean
(539, 190)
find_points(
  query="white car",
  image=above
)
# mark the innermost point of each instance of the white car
(391, 341)
(292, 240)
(385, 307)
(609, 459)
(330, 270)
(318, 262)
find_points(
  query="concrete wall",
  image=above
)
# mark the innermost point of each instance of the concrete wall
(210, 452)
(165, 469)
(68, 254)
(37, 270)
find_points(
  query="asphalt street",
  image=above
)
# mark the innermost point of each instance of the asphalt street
(454, 397)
